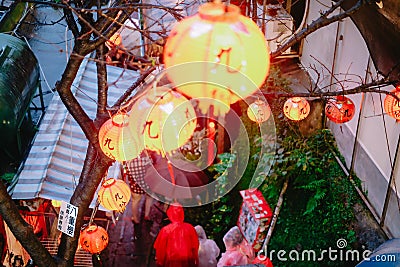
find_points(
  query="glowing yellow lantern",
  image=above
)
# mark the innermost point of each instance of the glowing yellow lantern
(115, 40)
(259, 111)
(217, 53)
(118, 141)
(165, 119)
(56, 203)
(391, 105)
(93, 239)
(296, 108)
(114, 194)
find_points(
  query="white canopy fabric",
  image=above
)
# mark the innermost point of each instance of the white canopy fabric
(55, 161)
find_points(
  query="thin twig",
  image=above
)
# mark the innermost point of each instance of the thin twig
(275, 216)
(129, 91)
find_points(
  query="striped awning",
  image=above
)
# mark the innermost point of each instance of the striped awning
(55, 161)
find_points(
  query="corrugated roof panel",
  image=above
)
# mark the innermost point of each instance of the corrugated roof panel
(58, 152)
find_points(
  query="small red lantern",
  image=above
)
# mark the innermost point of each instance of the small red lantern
(391, 105)
(165, 118)
(93, 239)
(259, 111)
(340, 109)
(296, 108)
(118, 141)
(114, 194)
(217, 54)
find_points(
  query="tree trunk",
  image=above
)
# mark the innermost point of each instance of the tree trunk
(22, 231)
(95, 166)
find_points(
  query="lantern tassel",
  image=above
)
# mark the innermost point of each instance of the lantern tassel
(171, 173)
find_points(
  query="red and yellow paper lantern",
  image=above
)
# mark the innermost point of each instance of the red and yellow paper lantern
(164, 118)
(217, 54)
(93, 239)
(118, 141)
(392, 105)
(115, 40)
(56, 203)
(296, 108)
(259, 111)
(340, 109)
(114, 194)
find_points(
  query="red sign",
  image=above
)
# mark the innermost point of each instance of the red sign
(254, 218)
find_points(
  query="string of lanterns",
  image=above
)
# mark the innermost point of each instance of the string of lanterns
(218, 55)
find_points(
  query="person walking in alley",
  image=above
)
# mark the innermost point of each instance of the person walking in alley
(177, 243)
(238, 251)
(135, 171)
(208, 249)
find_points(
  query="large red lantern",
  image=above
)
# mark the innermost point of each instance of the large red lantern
(259, 111)
(340, 109)
(118, 141)
(93, 239)
(165, 119)
(114, 194)
(218, 54)
(392, 105)
(296, 108)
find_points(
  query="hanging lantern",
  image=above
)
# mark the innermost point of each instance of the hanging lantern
(391, 105)
(118, 141)
(259, 111)
(56, 203)
(218, 54)
(115, 40)
(340, 109)
(93, 239)
(114, 194)
(165, 119)
(296, 108)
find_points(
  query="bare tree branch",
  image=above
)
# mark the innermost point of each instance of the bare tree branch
(101, 83)
(69, 18)
(275, 215)
(372, 87)
(128, 92)
(322, 21)
(63, 87)
(94, 169)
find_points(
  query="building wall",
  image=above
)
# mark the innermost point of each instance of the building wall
(339, 49)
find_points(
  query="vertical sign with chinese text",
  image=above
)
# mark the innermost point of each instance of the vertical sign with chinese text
(67, 218)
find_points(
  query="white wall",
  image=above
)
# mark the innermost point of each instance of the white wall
(340, 49)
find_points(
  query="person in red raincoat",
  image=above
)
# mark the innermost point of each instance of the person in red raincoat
(177, 243)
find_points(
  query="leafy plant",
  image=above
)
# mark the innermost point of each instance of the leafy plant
(318, 206)
(7, 177)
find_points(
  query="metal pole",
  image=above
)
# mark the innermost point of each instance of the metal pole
(389, 191)
(335, 51)
(353, 156)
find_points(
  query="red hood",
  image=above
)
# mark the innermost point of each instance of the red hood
(175, 213)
